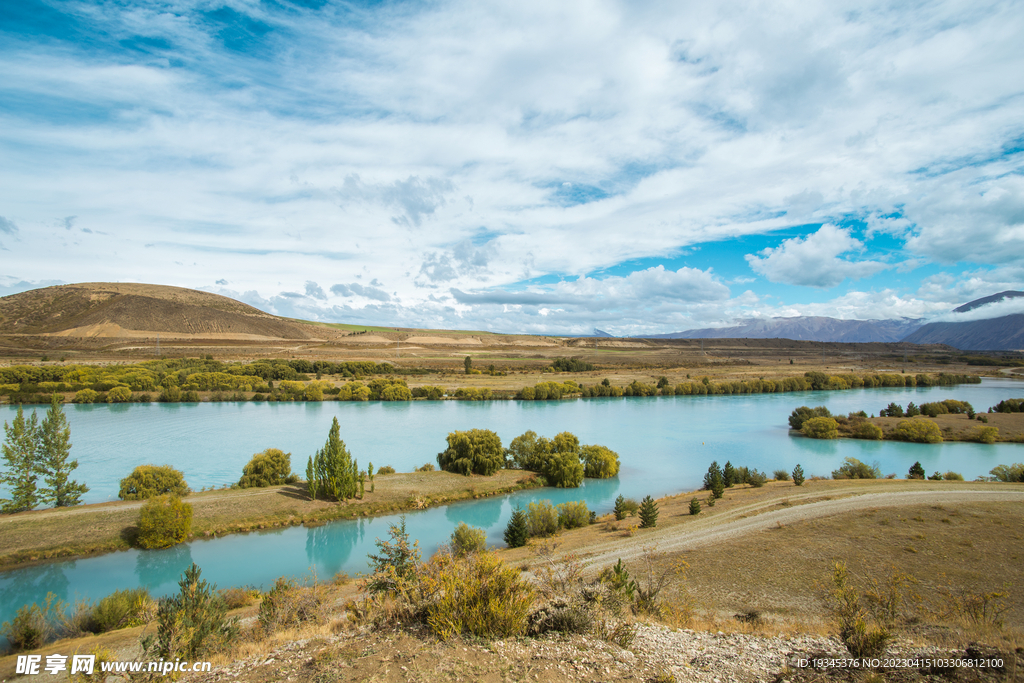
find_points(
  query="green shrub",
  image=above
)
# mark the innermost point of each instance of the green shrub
(985, 434)
(192, 623)
(1010, 473)
(843, 601)
(599, 462)
(820, 428)
(466, 539)
(426, 467)
(624, 507)
(271, 467)
(917, 430)
(29, 629)
(394, 568)
(916, 471)
(147, 481)
(648, 513)
(119, 395)
(164, 521)
(695, 506)
(387, 469)
(798, 475)
(803, 413)
(518, 529)
(563, 470)
(477, 595)
(287, 605)
(541, 518)
(122, 609)
(866, 430)
(477, 451)
(953, 476)
(573, 515)
(756, 479)
(86, 396)
(855, 469)
(781, 475)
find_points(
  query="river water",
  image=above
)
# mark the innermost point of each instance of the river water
(665, 445)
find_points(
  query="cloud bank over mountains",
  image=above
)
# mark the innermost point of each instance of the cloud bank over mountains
(532, 167)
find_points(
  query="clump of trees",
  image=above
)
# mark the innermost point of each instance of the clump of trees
(571, 365)
(148, 481)
(562, 461)
(919, 431)
(1011, 473)
(332, 474)
(272, 467)
(802, 414)
(32, 450)
(820, 428)
(476, 451)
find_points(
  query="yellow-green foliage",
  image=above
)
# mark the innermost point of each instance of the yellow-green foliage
(268, 468)
(147, 481)
(573, 514)
(541, 518)
(119, 395)
(86, 396)
(477, 594)
(476, 451)
(354, 391)
(600, 462)
(820, 428)
(122, 609)
(164, 521)
(467, 539)
(920, 430)
(222, 381)
(866, 430)
(8, 389)
(564, 470)
(985, 434)
(1014, 472)
(843, 601)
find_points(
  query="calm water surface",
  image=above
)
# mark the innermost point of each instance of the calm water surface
(665, 445)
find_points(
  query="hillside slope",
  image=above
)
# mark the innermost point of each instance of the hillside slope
(102, 309)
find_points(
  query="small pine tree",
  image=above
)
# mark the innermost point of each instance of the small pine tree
(798, 475)
(19, 455)
(695, 506)
(517, 530)
(192, 623)
(620, 508)
(648, 513)
(916, 471)
(728, 475)
(713, 480)
(54, 449)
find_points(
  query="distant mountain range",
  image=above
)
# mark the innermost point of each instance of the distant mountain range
(806, 328)
(978, 333)
(1000, 333)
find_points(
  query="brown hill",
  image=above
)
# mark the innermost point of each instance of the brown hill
(103, 309)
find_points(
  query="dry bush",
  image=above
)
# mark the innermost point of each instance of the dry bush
(236, 598)
(843, 602)
(972, 608)
(288, 605)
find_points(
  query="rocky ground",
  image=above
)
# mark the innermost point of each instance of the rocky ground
(658, 654)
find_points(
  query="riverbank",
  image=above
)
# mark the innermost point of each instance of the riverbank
(45, 535)
(758, 551)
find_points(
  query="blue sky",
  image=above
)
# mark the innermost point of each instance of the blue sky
(521, 167)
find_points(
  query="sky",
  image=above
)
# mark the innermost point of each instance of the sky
(536, 167)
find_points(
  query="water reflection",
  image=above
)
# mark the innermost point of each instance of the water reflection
(31, 584)
(157, 567)
(329, 547)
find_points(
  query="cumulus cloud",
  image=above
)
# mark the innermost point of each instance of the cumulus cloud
(814, 261)
(356, 289)
(314, 290)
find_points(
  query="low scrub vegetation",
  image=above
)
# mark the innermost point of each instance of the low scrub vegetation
(272, 467)
(466, 539)
(192, 624)
(164, 521)
(855, 469)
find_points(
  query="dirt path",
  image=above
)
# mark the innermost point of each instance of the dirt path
(752, 518)
(121, 506)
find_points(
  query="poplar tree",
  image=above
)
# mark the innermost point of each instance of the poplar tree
(54, 449)
(19, 455)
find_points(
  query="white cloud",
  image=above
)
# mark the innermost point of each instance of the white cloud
(814, 261)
